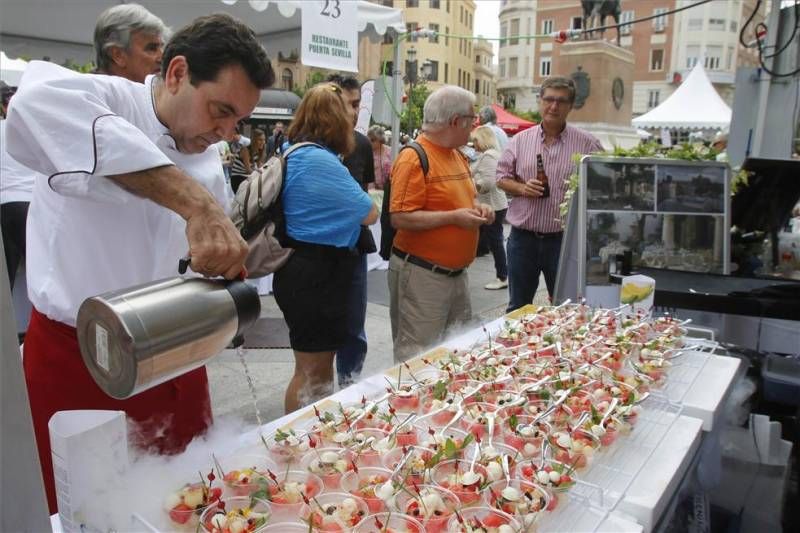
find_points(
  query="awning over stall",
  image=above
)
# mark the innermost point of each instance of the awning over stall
(511, 124)
(73, 21)
(276, 104)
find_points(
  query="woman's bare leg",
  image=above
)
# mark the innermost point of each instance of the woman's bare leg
(312, 380)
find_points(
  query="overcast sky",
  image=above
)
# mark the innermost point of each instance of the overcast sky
(487, 22)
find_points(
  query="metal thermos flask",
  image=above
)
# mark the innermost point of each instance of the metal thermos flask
(134, 339)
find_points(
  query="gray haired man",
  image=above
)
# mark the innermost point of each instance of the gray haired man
(437, 217)
(488, 117)
(129, 41)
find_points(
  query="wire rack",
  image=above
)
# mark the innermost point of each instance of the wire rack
(685, 370)
(604, 483)
(575, 512)
(616, 466)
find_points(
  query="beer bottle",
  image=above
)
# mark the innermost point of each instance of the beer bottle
(541, 176)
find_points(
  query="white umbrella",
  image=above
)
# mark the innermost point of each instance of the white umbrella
(11, 69)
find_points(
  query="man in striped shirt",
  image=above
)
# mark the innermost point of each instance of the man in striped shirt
(535, 241)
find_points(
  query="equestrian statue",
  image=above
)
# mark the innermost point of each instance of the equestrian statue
(596, 11)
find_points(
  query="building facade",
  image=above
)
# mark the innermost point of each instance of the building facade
(517, 57)
(484, 89)
(449, 54)
(665, 48)
(455, 56)
(710, 34)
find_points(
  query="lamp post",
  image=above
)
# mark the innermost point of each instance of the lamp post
(411, 78)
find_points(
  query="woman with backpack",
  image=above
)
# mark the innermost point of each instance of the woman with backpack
(324, 208)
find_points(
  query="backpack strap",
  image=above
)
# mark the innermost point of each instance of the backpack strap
(276, 210)
(284, 156)
(423, 157)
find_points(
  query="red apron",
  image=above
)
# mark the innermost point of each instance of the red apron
(169, 416)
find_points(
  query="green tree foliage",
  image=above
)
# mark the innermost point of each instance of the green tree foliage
(313, 78)
(77, 67)
(533, 116)
(411, 116)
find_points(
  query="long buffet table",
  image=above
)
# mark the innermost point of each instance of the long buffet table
(632, 486)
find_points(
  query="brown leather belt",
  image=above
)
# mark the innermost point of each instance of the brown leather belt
(414, 260)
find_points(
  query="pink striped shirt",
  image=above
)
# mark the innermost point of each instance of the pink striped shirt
(518, 162)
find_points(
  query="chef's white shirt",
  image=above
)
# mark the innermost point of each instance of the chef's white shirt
(16, 181)
(86, 235)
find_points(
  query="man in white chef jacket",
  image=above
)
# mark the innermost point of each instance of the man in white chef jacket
(134, 183)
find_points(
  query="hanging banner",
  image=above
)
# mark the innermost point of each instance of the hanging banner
(330, 34)
(365, 111)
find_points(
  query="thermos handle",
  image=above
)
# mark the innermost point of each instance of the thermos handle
(183, 265)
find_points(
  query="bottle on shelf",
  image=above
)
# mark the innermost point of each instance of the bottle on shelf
(541, 176)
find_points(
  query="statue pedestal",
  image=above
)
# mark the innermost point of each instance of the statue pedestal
(603, 76)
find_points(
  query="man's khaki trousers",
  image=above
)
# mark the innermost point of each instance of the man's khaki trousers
(424, 307)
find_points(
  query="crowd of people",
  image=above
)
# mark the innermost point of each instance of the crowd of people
(100, 220)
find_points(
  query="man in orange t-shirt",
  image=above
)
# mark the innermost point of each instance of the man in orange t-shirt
(437, 218)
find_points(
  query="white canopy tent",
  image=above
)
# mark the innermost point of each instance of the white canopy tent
(71, 23)
(695, 105)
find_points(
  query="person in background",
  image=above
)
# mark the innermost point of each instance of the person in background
(488, 117)
(153, 193)
(226, 158)
(720, 145)
(350, 357)
(276, 140)
(6, 92)
(483, 170)
(237, 142)
(324, 209)
(535, 241)
(16, 192)
(249, 158)
(381, 155)
(437, 218)
(129, 42)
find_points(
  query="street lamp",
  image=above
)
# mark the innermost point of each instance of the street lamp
(411, 77)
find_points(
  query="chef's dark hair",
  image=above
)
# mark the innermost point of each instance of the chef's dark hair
(214, 42)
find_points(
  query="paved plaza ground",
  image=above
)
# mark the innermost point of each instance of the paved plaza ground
(271, 369)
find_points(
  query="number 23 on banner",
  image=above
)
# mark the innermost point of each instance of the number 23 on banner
(332, 9)
(330, 34)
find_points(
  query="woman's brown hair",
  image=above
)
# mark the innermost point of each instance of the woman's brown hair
(261, 156)
(322, 117)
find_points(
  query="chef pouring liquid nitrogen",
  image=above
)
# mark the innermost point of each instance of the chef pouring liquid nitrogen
(135, 182)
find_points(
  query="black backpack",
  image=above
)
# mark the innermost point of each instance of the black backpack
(387, 231)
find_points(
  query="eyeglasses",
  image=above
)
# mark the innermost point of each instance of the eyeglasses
(550, 100)
(335, 88)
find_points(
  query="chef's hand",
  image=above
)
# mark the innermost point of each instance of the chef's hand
(486, 212)
(215, 245)
(533, 188)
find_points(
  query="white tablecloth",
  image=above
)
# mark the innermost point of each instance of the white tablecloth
(647, 497)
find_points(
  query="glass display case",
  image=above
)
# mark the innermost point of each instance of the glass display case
(667, 213)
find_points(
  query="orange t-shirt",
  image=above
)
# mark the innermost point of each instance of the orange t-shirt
(448, 186)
